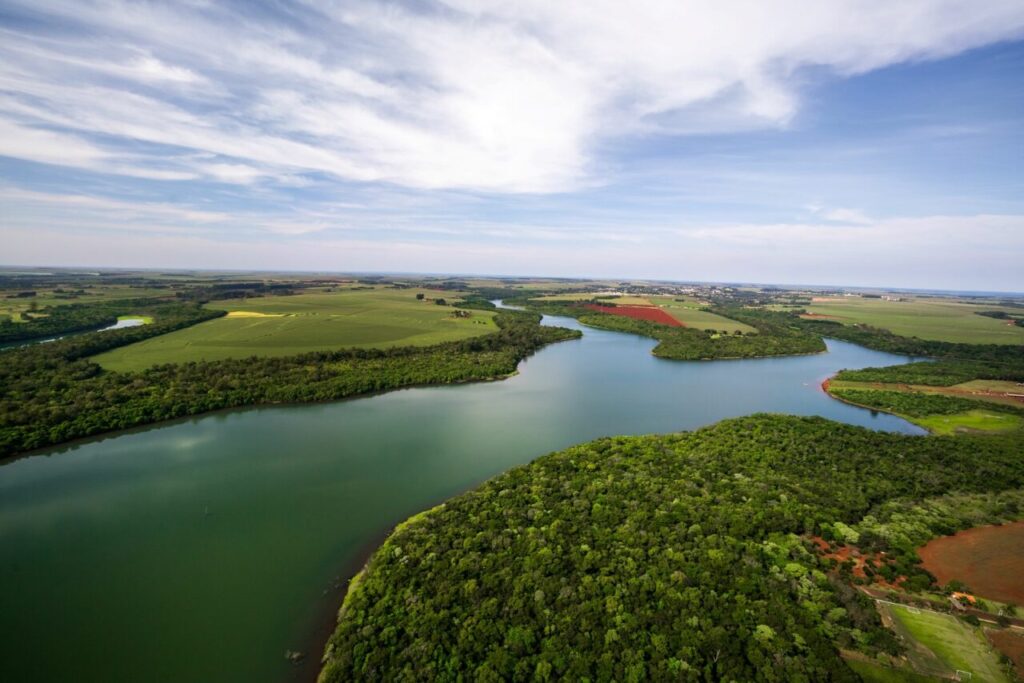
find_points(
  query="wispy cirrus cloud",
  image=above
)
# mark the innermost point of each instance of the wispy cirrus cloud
(478, 95)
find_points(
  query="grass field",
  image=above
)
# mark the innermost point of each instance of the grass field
(970, 421)
(288, 325)
(940, 644)
(924, 318)
(871, 672)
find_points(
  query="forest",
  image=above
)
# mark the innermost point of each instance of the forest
(676, 557)
(51, 393)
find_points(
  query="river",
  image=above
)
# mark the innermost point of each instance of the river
(202, 550)
(122, 322)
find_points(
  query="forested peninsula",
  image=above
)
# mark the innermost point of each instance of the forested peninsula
(52, 393)
(778, 334)
(679, 557)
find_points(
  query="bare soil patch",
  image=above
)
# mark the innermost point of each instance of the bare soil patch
(1010, 644)
(988, 559)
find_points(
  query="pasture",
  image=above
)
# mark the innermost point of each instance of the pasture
(322, 321)
(988, 421)
(940, 644)
(935, 319)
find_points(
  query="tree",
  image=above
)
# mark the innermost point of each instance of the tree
(420, 296)
(440, 302)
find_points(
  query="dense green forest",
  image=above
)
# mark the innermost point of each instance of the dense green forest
(677, 557)
(50, 393)
(777, 334)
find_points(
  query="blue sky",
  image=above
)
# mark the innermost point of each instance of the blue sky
(860, 143)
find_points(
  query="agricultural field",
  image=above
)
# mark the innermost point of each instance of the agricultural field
(13, 306)
(939, 320)
(1011, 644)
(977, 406)
(685, 310)
(940, 645)
(322, 321)
(688, 312)
(988, 559)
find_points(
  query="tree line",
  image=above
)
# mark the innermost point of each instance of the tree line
(51, 393)
(677, 557)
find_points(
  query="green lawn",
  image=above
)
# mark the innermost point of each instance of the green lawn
(925, 318)
(289, 325)
(871, 672)
(944, 640)
(972, 420)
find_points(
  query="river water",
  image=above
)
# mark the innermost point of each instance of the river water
(202, 550)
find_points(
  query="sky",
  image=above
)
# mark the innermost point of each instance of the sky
(849, 142)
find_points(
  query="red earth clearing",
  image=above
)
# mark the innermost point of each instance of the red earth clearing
(651, 314)
(988, 559)
(843, 553)
(1010, 644)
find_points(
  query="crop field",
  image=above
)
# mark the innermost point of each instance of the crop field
(13, 306)
(940, 645)
(688, 312)
(289, 325)
(649, 313)
(925, 318)
(988, 559)
(685, 310)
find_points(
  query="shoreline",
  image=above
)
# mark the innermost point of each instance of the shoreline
(307, 670)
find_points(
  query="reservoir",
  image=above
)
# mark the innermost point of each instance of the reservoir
(203, 550)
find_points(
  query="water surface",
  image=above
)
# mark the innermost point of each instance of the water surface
(202, 550)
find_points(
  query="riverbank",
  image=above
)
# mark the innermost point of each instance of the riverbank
(180, 517)
(531, 536)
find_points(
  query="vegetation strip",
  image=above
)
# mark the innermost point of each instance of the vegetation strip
(51, 393)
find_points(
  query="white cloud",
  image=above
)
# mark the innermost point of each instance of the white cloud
(481, 95)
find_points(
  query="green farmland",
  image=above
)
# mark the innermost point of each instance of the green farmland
(289, 325)
(934, 319)
(688, 312)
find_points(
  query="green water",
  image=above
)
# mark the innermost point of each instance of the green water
(202, 550)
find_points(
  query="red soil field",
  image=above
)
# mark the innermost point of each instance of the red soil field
(1010, 644)
(649, 313)
(989, 559)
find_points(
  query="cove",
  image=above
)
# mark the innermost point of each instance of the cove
(202, 550)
